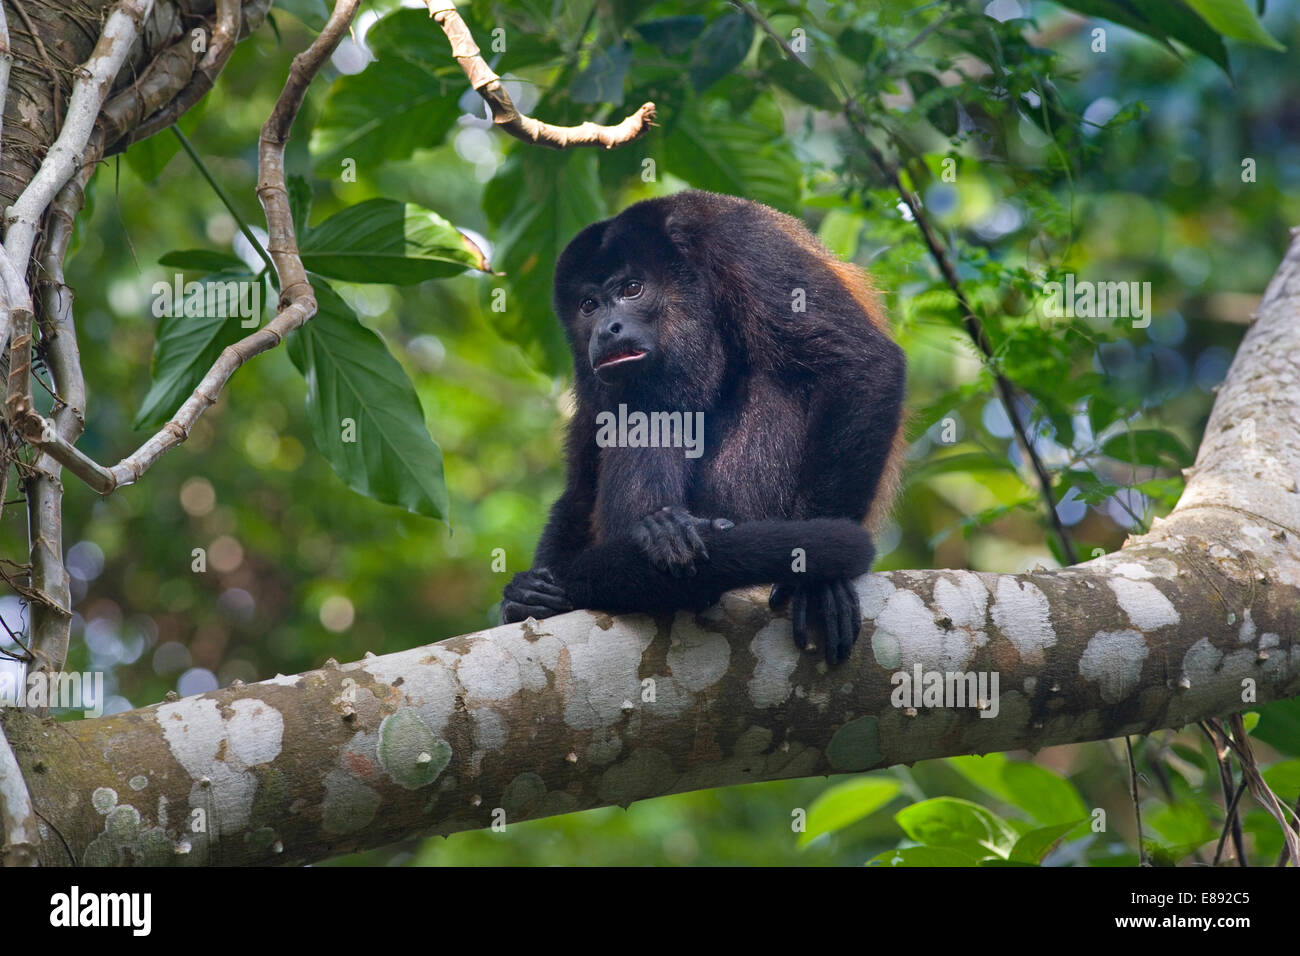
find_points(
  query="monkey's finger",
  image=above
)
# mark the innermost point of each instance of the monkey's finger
(855, 608)
(722, 524)
(799, 618)
(697, 543)
(842, 608)
(548, 588)
(781, 594)
(830, 622)
(520, 612)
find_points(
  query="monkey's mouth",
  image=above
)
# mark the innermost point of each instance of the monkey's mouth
(620, 358)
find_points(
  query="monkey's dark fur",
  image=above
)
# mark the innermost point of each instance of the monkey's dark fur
(688, 304)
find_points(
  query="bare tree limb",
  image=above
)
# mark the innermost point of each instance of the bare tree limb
(488, 85)
(19, 837)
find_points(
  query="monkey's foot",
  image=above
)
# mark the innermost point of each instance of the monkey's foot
(835, 600)
(533, 594)
(670, 538)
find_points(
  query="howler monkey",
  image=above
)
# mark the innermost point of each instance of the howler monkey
(699, 308)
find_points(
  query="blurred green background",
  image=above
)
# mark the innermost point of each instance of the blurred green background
(1117, 165)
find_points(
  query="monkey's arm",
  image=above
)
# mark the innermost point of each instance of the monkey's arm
(853, 419)
(539, 592)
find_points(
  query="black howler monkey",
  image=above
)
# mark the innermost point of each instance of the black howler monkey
(702, 303)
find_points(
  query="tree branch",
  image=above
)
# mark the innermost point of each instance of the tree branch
(488, 85)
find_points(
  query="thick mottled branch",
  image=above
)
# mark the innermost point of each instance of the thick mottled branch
(488, 85)
(588, 710)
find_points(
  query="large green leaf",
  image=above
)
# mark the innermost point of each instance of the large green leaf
(923, 856)
(1044, 795)
(399, 103)
(847, 803)
(721, 49)
(539, 200)
(187, 345)
(1147, 446)
(1279, 725)
(352, 377)
(956, 825)
(1031, 847)
(202, 260)
(1234, 20)
(1160, 19)
(746, 155)
(382, 240)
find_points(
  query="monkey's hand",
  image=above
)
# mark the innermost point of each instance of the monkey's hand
(533, 593)
(670, 538)
(836, 600)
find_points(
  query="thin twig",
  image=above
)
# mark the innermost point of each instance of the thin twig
(1137, 800)
(1259, 789)
(1232, 823)
(504, 114)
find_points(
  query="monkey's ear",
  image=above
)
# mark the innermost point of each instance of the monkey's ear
(683, 234)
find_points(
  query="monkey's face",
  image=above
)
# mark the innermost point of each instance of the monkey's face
(639, 320)
(622, 341)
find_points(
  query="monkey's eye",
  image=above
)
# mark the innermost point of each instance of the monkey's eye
(587, 306)
(631, 289)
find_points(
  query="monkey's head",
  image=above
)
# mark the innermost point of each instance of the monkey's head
(638, 317)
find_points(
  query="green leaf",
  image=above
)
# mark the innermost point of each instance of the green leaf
(300, 196)
(1250, 720)
(746, 155)
(1161, 20)
(539, 200)
(1234, 20)
(672, 35)
(847, 803)
(351, 376)
(202, 260)
(971, 461)
(187, 345)
(1147, 446)
(1279, 726)
(1046, 796)
(1283, 778)
(396, 105)
(721, 49)
(1036, 844)
(923, 856)
(602, 80)
(314, 13)
(383, 240)
(956, 824)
